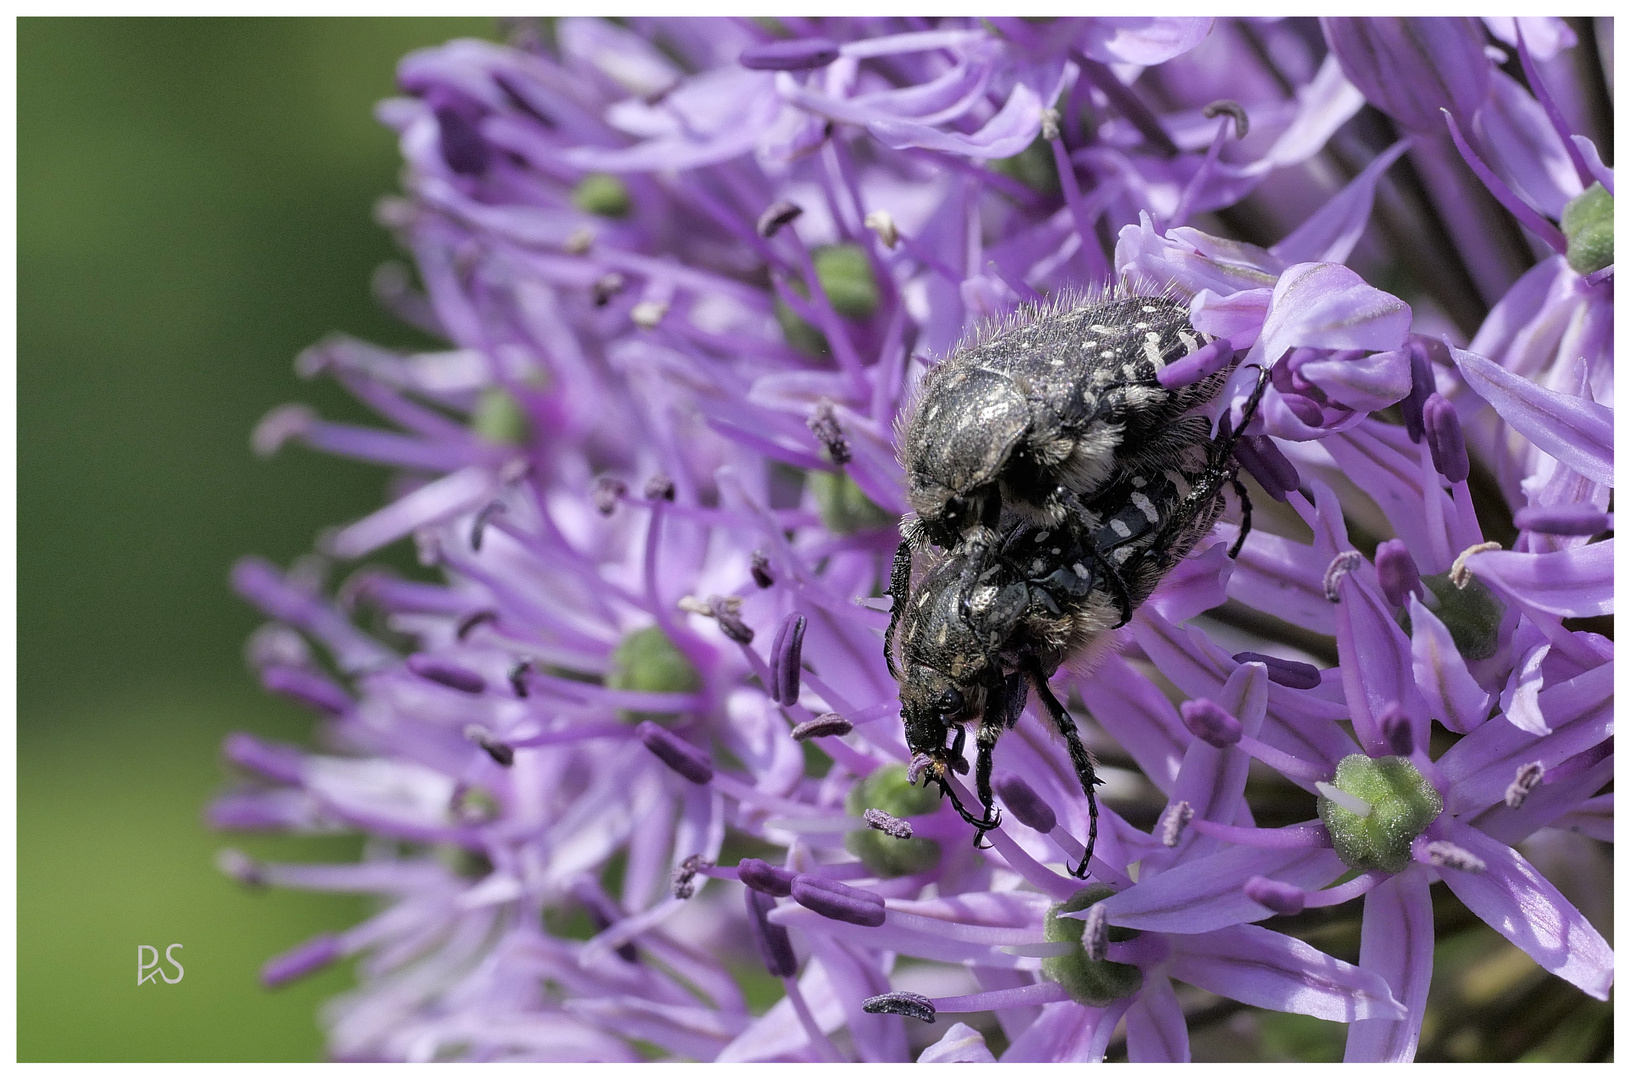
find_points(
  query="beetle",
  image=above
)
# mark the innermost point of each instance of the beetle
(975, 642)
(1035, 415)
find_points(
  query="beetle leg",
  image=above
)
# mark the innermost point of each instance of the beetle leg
(954, 756)
(1245, 518)
(900, 583)
(1080, 757)
(986, 741)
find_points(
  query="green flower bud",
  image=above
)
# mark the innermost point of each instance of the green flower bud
(844, 508)
(1033, 166)
(798, 333)
(499, 418)
(1588, 223)
(647, 660)
(1089, 982)
(888, 856)
(602, 194)
(1472, 615)
(1402, 804)
(845, 274)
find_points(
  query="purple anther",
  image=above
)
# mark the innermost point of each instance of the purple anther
(1212, 357)
(1568, 519)
(824, 423)
(785, 656)
(1422, 386)
(838, 901)
(676, 753)
(1453, 856)
(463, 147)
(760, 569)
(727, 611)
(901, 1003)
(1278, 896)
(887, 823)
(473, 620)
(802, 54)
(1271, 468)
(828, 723)
(301, 960)
(1293, 673)
(760, 876)
(776, 215)
(1397, 572)
(1210, 722)
(606, 492)
(660, 487)
(1445, 439)
(306, 687)
(775, 947)
(448, 674)
(501, 752)
(1304, 408)
(1528, 778)
(1023, 802)
(1396, 730)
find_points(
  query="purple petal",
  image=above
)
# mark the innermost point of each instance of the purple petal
(1594, 161)
(1004, 135)
(1525, 149)
(1190, 261)
(1377, 668)
(1453, 696)
(799, 54)
(1395, 942)
(1364, 383)
(960, 1043)
(1571, 582)
(1478, 769)
(1330, 233)
(1141, 40)
(1139, 717)
(1156, 1029)
(1382, 462)
(1197, 584)
(1276, 575)
(1236, 317)
(1411, 68)
(1209, 893)
(1065, 1031)
(1513, 897)
(1261, 967)
(1578, 432)
(1328, 306)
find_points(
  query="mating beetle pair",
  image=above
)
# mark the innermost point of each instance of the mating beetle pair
(1063, 482)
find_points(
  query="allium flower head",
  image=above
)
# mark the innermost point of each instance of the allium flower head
(628, 752)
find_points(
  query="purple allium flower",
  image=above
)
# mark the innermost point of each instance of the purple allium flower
(628, 752)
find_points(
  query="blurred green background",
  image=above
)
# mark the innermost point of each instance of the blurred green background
(194, 207)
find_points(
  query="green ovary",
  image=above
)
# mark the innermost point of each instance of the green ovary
(1402, 802)
(1089, 982)
(887, 856)
(646, 660)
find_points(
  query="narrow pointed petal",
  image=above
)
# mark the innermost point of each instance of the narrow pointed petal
(1453, 696)
(1065, 1031)
(1478, 769)
(1571, 582)
(1395, 942)
(1329, 235)
(1261, 967)
(1004, 135)
(1207, 894)
(1377, 668)
(1518, 901)
(1578, 432)
(1156, 1029)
